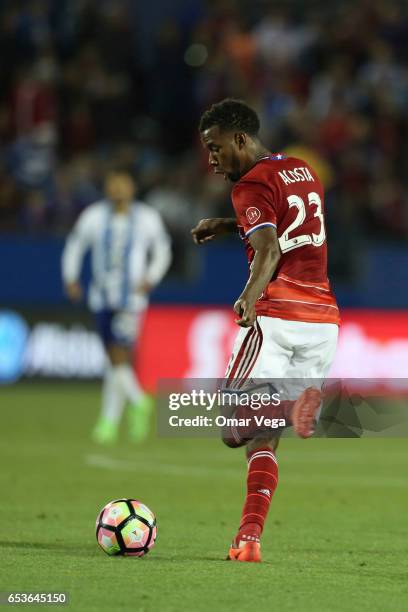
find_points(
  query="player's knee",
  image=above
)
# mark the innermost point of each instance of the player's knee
(118, 355)
(229, 441)
(256, 443)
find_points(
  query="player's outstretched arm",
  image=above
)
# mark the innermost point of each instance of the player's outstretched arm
(76, 245)
(267, 254)
(159, 250)
(208, 229)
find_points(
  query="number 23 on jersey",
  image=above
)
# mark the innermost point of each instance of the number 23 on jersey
(287, 243)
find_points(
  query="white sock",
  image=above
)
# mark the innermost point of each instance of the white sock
(129, 383)
(113, 396)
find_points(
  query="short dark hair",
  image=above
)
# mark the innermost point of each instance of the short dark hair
(231, 115)
(124, 170)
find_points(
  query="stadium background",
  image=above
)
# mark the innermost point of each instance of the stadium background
(86, 83)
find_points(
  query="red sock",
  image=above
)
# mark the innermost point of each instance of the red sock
(262, 481)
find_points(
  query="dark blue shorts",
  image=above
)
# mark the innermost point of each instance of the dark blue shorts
(117, 326)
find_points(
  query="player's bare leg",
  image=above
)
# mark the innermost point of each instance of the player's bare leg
(301, 414)
(262, 481)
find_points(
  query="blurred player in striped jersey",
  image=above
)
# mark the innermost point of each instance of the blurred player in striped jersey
(287, 312)
(130, 252)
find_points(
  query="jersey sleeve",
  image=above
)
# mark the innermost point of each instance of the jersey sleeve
(77, 243)
(160, 248)
(254, 206)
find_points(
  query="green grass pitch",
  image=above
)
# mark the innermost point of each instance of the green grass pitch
(336, 537)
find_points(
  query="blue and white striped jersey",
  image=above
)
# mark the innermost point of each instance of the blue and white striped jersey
(126, 250)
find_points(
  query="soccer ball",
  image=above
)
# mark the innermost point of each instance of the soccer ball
(126, 527)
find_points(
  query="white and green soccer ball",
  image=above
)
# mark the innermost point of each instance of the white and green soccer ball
(126, 527)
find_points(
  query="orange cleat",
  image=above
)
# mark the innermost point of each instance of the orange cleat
(305, 411)
(246, 551)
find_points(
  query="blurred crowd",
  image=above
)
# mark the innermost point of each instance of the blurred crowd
(85, 84)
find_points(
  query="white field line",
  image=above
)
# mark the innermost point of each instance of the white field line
(102, 461)
(314, 478)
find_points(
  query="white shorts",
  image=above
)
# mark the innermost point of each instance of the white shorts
(300, 353)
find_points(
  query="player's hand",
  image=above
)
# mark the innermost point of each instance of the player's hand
(144, 288)
(245, 309)
(206, 230)
(74, 292)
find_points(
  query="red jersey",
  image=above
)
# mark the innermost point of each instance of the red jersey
(285, 193)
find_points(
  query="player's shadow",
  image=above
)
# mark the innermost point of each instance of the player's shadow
(92, 550)
(197, 559)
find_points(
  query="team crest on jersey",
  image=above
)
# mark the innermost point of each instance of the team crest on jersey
(253, 214)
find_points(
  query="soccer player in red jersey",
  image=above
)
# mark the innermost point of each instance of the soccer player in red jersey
(287, 312)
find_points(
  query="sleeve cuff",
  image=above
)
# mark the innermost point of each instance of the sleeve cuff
(260, 226)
